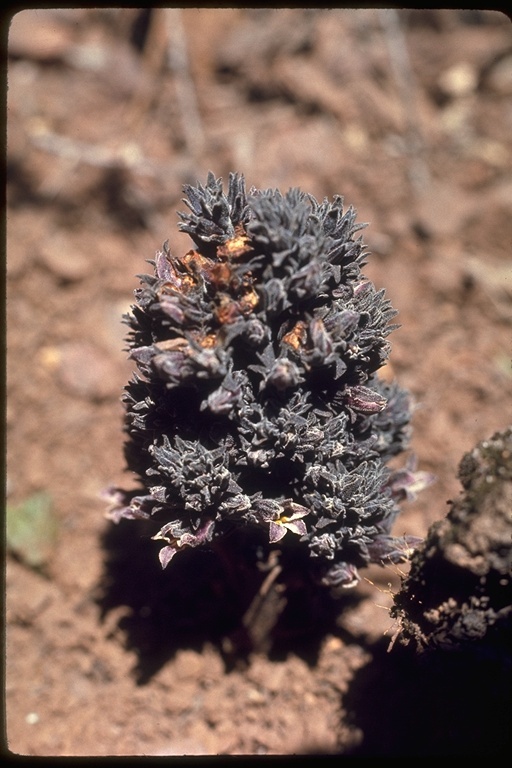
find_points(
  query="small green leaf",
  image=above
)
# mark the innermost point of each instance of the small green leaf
(31, 530)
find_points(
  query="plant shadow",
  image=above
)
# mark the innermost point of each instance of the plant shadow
(204, 596)
(437, 703)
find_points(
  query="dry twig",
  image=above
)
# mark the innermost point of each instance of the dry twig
(401, 65)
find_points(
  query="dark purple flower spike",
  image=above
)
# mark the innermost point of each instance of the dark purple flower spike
(258, 402)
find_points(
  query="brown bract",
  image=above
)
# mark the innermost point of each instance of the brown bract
(297, 336)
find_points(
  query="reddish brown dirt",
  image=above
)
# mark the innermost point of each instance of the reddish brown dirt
(412, 124)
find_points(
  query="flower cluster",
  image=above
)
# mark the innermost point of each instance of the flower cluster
(257, 401)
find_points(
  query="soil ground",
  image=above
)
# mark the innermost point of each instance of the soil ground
(110, 111)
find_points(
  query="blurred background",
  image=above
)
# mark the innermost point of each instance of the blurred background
(406, 113)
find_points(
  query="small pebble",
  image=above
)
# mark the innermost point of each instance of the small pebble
(62, 259)
(84, 370)
(459, 80)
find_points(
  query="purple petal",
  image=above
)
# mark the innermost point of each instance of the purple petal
(297, 526)
(364, 399)
(406, 483)
(342, 575)
(294, 511)
(163, 269)
(142, 355)
(276, 532)
(166, 554)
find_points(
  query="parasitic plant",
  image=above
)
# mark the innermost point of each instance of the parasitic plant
(257, 403)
